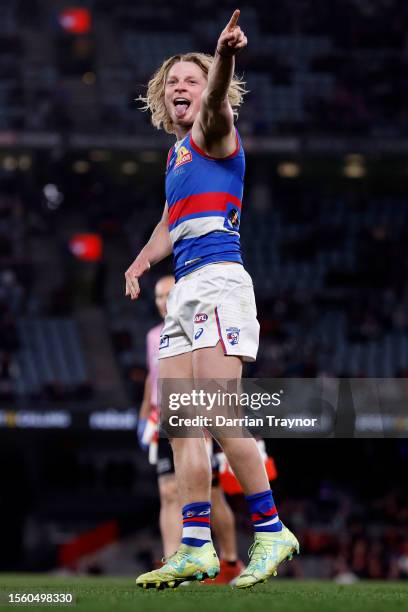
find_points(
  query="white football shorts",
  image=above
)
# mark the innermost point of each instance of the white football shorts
(213, 304)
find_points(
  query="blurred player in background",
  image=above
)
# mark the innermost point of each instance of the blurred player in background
(211, 325)
(161, 455)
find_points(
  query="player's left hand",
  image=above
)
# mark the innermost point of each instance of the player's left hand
(232, 39)
(133, 273)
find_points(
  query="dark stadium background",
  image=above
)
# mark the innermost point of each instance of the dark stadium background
(325, 231)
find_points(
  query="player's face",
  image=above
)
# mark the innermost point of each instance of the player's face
(185, 84)
(161, 292)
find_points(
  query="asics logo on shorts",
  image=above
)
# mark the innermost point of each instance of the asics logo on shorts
(198, 333)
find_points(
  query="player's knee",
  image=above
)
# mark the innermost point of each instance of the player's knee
(202, 473)
(246, 448)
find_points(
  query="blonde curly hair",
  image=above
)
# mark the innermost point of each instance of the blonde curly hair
(154, 100)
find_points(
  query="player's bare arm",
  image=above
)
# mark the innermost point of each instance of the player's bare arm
(213, 129)
(158, 248)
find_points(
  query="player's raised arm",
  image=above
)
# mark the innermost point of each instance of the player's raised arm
(158, 247)
(216, 116)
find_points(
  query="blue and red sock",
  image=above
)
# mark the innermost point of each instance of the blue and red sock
(264, 515)
(196, 524)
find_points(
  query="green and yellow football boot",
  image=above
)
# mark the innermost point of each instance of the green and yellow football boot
(269, 549)
(188, 563)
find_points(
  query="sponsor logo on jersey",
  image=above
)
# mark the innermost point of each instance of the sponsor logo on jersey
(201, 317)
(232, 217)
(183, 157)
(164, 342)
(198, 333)
(233, 335)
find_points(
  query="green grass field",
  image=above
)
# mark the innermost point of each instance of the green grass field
(121, 595)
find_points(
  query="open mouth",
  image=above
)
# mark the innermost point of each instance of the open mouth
(181, 105)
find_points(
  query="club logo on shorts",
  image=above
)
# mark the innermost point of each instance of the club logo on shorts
(201, 317)
(198, 333)
(233, 335)
(183, 157)
(164, 342)
(189, 513)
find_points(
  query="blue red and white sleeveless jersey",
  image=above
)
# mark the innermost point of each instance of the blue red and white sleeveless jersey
(204, 197)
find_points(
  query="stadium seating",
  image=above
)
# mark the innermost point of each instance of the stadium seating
(303, 67)
(50, 357)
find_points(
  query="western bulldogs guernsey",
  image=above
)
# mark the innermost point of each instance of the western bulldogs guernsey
(204, 197)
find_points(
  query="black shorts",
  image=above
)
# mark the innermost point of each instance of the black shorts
(165, 463)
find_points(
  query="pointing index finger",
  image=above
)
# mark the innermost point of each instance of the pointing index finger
(234, 20)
